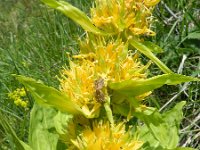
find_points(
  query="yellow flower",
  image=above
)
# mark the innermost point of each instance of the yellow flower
(18, 96)
(78, 83)
(120, 15)
(103, 136)
(117, 63)
(113, 61)
(87, 79)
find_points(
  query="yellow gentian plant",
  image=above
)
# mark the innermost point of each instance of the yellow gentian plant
(102, 91)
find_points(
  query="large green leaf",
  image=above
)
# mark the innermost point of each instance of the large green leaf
(147, 49)
(40, 136)
(19, 145)
(48, 96)
(75, 14)
(140, 86)
(160, 130)
(45, 127)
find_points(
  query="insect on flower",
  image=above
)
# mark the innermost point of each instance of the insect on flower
(98, 85)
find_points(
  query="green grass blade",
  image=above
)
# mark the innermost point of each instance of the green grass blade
(75, 14)
(48, 95)
(147, 51)
(137, 87)
(20, 145)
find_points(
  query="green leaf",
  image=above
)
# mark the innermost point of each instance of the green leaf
(61, 121)
(147, 51)
(147, 146)
(20, 145)
(40, 137)
(122, 109)
(109, 111)
(149, 115)
(48, 96)
(184, 148)
(194, 35)
(44, 130)
(137, 87)
(161, 130)
(154, 48)
(75, 14)
(175, 114)
(166, 134)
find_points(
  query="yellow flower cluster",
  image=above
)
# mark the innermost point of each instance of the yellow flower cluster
(86, 82)
(115, 63)
(18, 96)
(78, 83)
(103, 136)
(132, 16)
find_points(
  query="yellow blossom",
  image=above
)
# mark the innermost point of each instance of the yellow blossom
(78, 83)
(114, 62)
(103, 136)
(123, 68)
(87, 79)
(116, 16)
(18, 96)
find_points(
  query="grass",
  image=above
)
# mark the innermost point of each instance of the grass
(35, 40)
(178, 33)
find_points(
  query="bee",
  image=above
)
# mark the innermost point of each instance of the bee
(98, 85)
